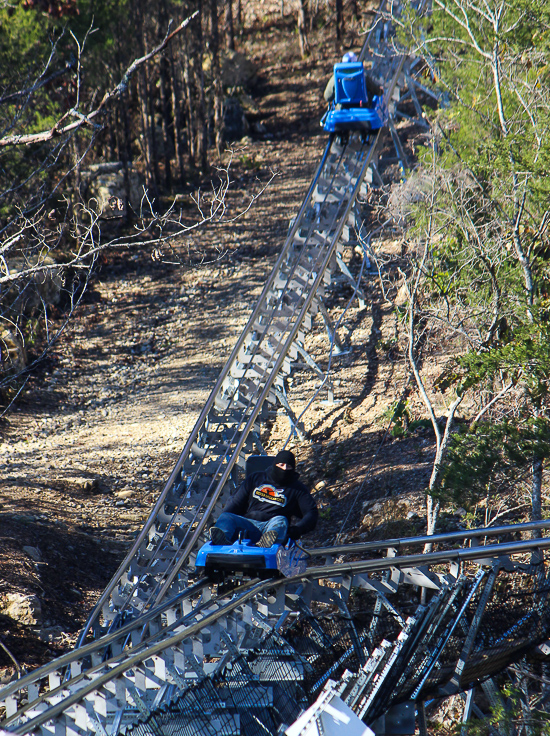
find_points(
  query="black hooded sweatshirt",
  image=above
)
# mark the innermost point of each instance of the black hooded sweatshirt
(260, 498)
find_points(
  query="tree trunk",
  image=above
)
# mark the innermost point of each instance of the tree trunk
(433, 506)
(144, 102)
(77, 183)
(216, 78)
(190, 108)
(154, 162)
(114, 137)
(165, 88)
(229, 29)
(177, 103)
(339, 23)
(167, 123)
(126, 150)
(441, 441)
(200, 115)
(145, 129)
(302, 28)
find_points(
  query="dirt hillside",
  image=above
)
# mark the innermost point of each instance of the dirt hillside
(91, 441)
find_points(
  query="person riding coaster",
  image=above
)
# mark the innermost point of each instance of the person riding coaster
(256, 533)
(265, 503)
(356, 101)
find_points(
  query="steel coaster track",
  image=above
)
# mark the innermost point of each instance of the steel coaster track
(172, 645)
(252, 383)
(179, 643)
(228, 427)
(149, 592)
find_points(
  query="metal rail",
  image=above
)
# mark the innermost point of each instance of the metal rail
(252, 383)
(154, 668)
(196, 597)
(436, 539)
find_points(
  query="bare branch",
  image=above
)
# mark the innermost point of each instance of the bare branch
(59, 129)
(491, 403)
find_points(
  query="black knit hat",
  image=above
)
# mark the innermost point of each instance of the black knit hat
(285, 456)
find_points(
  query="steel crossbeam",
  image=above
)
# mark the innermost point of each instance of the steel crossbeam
(189, 645)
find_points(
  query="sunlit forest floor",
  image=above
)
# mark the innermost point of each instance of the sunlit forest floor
(91, 441)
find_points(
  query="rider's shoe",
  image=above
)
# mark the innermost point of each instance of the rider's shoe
(267, 539)
(217, 536)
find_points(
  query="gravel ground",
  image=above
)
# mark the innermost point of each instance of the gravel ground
(90, 444)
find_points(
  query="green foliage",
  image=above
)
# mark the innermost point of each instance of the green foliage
(21, 38)
(32, 331)
(491, 458)
(112, 45)
(249, 162)
(486, 272)
(324, 513)
(496, 131)
(398, 414)
(523, 353)
(41, 52)
(27, 46)
(516, 716)
(387, 345)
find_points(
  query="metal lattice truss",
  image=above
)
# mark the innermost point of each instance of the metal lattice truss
(252, 384)
(394, 647)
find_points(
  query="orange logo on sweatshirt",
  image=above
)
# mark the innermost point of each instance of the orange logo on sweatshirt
(269, 494)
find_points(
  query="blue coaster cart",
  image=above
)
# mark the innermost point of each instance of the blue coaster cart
(351, 109)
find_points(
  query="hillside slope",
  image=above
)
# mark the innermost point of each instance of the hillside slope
(89, 444)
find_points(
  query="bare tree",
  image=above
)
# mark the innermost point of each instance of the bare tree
(82, 118)
(32, 283)
(53, 235)
(479, 240)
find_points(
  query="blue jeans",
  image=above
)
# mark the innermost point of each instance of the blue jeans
(232, 524)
